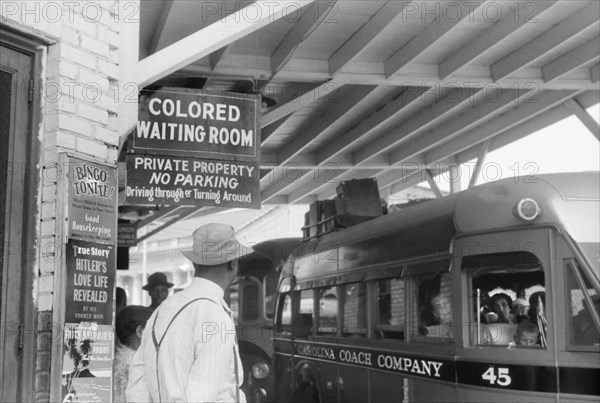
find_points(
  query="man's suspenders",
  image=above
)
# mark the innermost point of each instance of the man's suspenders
(157, 344)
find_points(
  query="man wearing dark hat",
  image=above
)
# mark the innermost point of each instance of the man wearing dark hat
(189, 349)
(158, 288)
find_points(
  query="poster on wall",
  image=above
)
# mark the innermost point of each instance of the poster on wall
(198, 124)
(92, 201)
(87, 362)
(154, 179)
(90, 282)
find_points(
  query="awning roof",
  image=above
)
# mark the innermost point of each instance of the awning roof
(395, 90)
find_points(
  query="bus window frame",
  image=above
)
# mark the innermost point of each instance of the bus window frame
(279, 328)
(508, 239)
(472, 297)
(413, 280)
(264, 295)
(296, 314)
(352, 332)
(318, 334)
(241, 302)
(374, 328)
(571, 265)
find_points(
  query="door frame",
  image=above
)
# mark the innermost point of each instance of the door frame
(35, 48)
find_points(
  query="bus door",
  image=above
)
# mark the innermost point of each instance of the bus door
(315, 343)
(283, 360)
(509, 306)
(578, 321)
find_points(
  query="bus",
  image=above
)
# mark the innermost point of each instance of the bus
(410, 306)
(252, 301)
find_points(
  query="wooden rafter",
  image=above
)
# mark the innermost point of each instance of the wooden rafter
(595, 73)
(454, 126)
(584, 117)
(308, 22)
(295, 104)
(483, 151)
(493, 127)
(163, 17)
(584, 19)
(343, 107)
(418, 123)
(389, 112)
(389, 14)
(433, 184)
(498, 32)
(580, 56)
(197, 45)
(431, 34)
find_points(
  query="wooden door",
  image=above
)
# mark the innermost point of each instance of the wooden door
(15, 76)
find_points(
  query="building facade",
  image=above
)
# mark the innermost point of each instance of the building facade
(63, 90)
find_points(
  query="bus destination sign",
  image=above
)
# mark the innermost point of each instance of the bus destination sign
(202, 125)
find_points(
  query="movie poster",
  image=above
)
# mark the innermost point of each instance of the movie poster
(87, 362)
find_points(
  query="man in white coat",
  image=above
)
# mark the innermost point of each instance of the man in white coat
(189, 349)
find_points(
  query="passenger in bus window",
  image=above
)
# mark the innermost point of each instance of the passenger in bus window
(441, 310)
(520, 311)
(436, 314)
(501, 306)
(534, 303)
(528, 335)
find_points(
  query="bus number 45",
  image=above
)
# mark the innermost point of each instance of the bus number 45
(501, 378)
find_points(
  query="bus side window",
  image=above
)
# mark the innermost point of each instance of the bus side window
(328, 310)
(304, 321)
(270, 293)
(354, 309)
(391, 314)
(433, 315)
(501, 283)
(284, 321)
(583, 326)
(250, 302)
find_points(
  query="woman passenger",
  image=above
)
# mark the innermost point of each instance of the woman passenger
(502, 305)
(129, 325)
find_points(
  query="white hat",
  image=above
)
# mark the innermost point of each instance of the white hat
(215, 244)
(520, 301)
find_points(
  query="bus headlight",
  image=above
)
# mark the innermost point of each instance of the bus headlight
(260, 370)
(527, 210)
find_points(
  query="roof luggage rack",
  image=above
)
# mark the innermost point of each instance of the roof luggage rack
(356, 201)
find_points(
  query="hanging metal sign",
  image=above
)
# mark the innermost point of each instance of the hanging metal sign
(190, 181)
(127, 234)
(203, 125)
